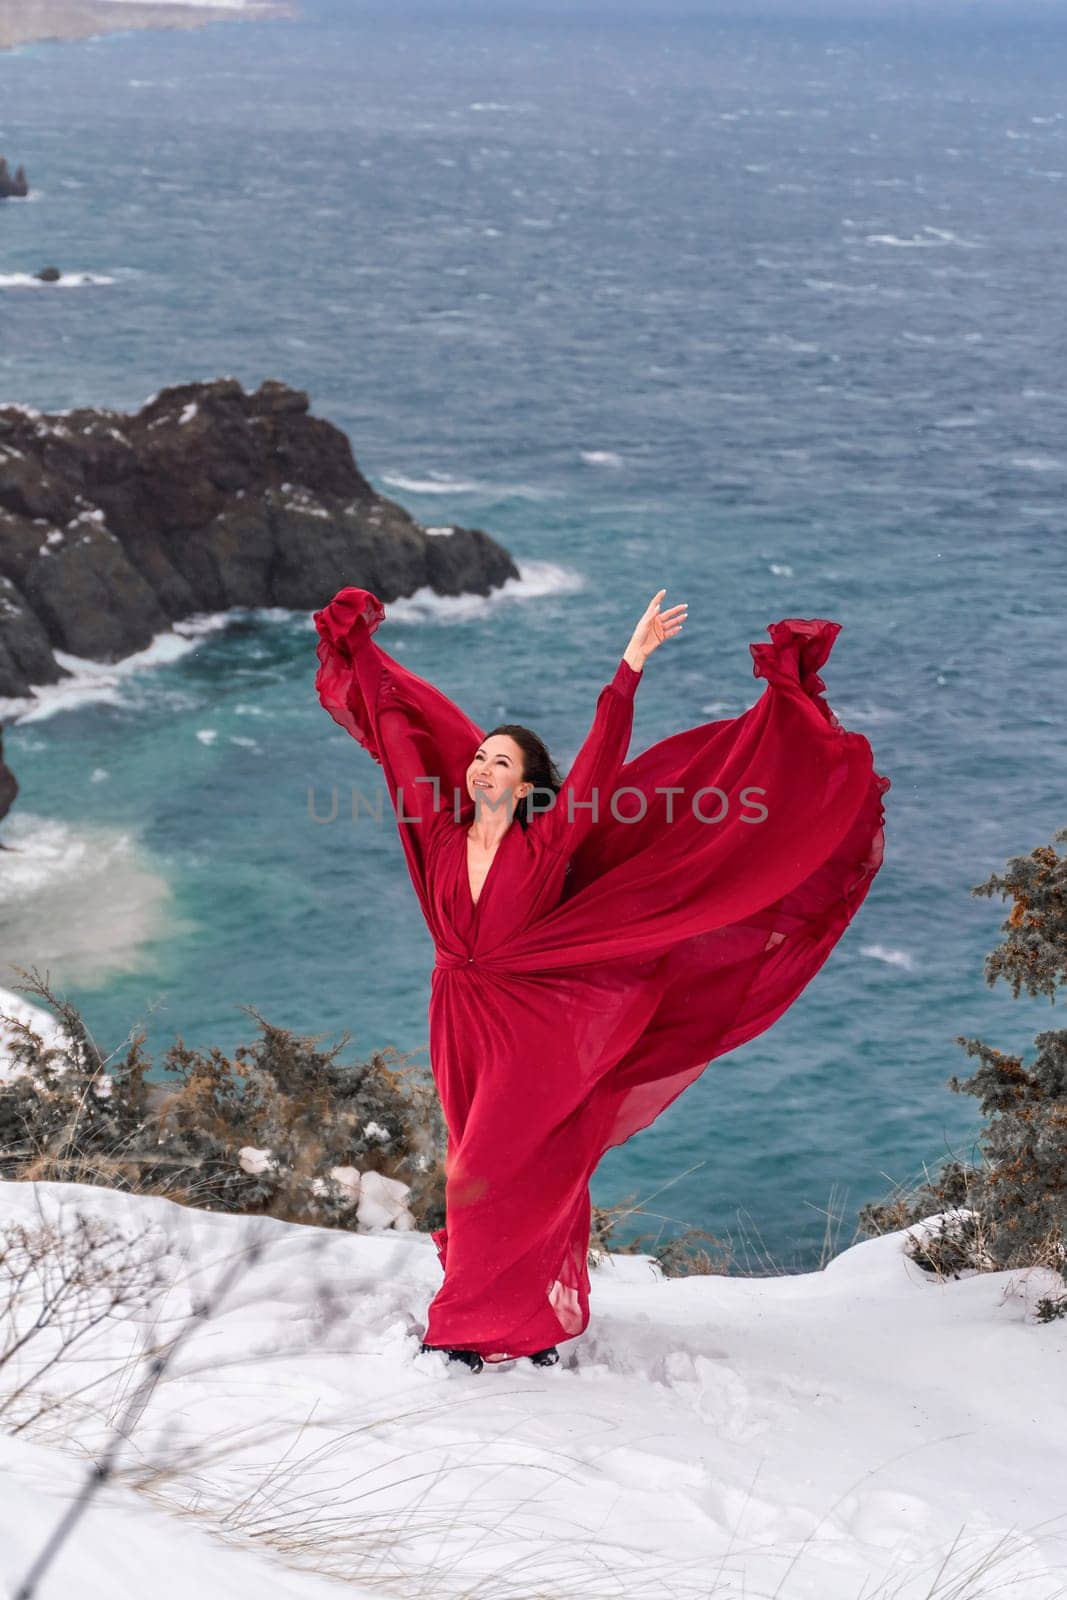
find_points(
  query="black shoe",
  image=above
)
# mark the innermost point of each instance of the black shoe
(545, 1358)
(470, 1358)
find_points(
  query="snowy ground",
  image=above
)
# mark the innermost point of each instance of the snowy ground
(834, 1434)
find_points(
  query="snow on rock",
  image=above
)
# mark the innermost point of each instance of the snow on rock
(347, 1180)
(381, 1203)
(254, 1161)
(823, 1435)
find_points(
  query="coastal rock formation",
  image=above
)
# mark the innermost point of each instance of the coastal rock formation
(115, 525)
(12, 187)
(29, 20)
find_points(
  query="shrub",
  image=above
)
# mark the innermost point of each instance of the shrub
(1009, 1209)
(282, 1128)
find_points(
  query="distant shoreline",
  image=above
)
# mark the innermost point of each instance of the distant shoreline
(36, 21)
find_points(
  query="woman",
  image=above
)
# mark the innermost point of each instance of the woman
(597, 942)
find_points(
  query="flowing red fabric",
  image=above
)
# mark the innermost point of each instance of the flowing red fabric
(662, 912)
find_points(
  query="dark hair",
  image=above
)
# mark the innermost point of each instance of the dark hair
(538, 767)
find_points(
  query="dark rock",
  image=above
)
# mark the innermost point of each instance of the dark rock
(12, 187)
(49, 274)
(113, 526)
(8, 787)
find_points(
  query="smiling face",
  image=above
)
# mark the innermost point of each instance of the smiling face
(495, 779)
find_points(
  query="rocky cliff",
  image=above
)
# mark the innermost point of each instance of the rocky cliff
(115, 525)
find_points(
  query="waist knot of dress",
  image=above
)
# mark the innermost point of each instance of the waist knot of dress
(452, 959)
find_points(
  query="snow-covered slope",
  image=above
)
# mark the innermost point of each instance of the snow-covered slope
(817, 1435)
(125, 1546)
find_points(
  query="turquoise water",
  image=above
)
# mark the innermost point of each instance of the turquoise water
(769, 314)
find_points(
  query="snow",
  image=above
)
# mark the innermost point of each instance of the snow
(42, 1022)
(812, 1435)
(125, 1547)
(253, 1161)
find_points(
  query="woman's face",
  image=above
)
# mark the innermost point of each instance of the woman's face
(494, 778)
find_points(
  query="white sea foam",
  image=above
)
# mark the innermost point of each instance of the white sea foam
(871, 715)
(438, 483)
(536, 579)
(444, 483)
(788, 341)
(1038, 463)
(69, 280)
(79, 900)
(935, 239)
(835, 286)
(892, 958)
(601, 458)
(780, 569)
(101, 682)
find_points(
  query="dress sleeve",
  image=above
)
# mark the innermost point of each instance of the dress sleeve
(420, 738)
(585, 798)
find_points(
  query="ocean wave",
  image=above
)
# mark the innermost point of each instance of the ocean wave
(788, 341)
(892, 958)
(536, 579)
(443, 483)
(871, 715)
(1037, 463)
(101, 682)
(835, 286)
(601, 458)
(69, 280)
(82, 901)
(936, 238)
(439, 483)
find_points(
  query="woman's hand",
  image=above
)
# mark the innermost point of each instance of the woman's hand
(652, 628)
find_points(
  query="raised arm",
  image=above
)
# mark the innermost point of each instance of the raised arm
(586, 796)
(420, 738)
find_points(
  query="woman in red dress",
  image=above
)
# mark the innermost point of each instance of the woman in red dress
(598, 942)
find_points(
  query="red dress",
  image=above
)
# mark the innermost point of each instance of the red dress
(609, 957)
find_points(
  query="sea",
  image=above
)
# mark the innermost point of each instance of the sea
(767, 312)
